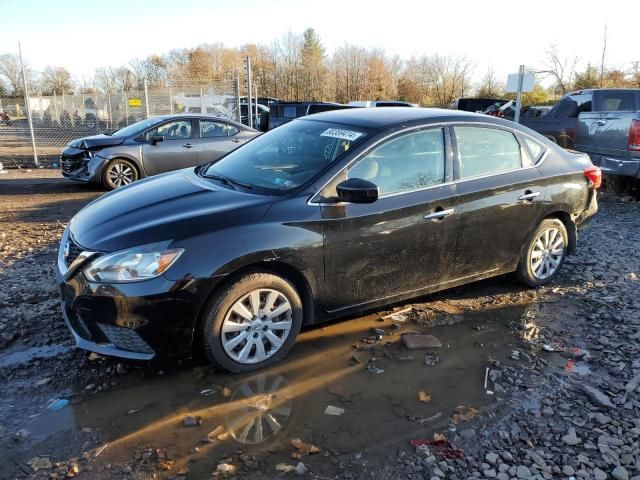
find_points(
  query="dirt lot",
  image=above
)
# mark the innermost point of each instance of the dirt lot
(527, 384)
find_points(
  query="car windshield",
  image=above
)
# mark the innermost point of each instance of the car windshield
(136, 128)
(287, 157)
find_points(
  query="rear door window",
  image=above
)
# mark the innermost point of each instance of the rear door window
(212, 128)
(616, 101)
(483, 151)
(572, 105)
(405, 163)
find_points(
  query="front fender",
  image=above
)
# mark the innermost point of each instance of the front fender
(106, 155)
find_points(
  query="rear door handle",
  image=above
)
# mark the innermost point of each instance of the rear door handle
(188, 145)
(235, 140)
(602, 122)
(528, 196)
(439, 214)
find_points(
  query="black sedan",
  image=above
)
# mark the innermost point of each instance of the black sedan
(152, 146)
(325, 216)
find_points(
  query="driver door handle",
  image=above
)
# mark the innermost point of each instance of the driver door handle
(188, 145)
(602, 122)
(235, 140)
(439, 214)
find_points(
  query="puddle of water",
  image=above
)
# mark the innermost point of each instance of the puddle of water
(263, 411)
(18, 354)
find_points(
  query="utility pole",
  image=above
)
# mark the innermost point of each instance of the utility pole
(28, 107)
(516, 117)
(249, 111)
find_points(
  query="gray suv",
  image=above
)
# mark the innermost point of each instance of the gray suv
(152, 146)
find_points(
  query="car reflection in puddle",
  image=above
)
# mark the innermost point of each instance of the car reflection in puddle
(264, 407)
(260, 413)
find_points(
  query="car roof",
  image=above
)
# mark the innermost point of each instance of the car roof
(380, 118)
(205, 116)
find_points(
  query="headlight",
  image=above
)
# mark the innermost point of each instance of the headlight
(134, 264)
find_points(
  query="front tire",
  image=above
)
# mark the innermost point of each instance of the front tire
(252, 323)
(544, 254)
(118, 173)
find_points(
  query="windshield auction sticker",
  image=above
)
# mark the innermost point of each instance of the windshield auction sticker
(341, 134)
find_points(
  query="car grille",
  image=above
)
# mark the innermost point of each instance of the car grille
(69, 165)
(72, 251)
(125, 338)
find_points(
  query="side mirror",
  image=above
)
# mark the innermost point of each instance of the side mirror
(156, 138)
(357, 190)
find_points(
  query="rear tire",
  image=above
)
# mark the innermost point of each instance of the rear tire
(544, 254)
(118, 173)
(252, 323)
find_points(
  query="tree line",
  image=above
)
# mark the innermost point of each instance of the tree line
(298, 67)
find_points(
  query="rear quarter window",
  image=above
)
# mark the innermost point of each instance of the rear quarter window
(534, 149)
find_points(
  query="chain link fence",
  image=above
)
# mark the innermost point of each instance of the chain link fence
(58, 119)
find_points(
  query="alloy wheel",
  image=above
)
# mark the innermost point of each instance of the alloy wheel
(547, 253)
(121, 174)
(256, 326)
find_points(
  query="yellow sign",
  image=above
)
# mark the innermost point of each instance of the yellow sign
(135, 102)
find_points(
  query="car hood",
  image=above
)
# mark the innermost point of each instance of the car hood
(165, 207)
(95, 141)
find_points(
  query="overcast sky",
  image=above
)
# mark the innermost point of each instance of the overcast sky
(84, 35)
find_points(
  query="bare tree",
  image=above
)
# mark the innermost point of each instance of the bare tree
(604, 52)
(10, 71)
(561, 69)
(490, 87)
(634, 74)
(56, 80)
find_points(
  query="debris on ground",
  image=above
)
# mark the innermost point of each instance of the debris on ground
(331, 410)
(431, 359)
(423, 396)
(371, 367)
(190, 421)
(225, 469)
(302, 448)
(441, 446)
(416, 341)
(285, 468)
(58, 404)
(464, 414)
(40, 463)
(217, 434)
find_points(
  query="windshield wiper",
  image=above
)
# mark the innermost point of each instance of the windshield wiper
(227, 181)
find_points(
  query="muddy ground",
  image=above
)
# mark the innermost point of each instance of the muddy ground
(526, 384)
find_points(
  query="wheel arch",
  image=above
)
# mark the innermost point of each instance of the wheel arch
(123, 156)
(569, 225)
(284, 270)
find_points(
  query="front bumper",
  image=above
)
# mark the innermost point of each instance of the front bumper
(138, 320)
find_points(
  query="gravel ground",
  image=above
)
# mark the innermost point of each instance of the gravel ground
(561, 403)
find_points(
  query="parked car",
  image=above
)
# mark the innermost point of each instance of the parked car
(476, 104)
(610, 134)
(382, 103)
(325, 216)
(559, 123)
(261, 122)
(283, 112)
(152, 146)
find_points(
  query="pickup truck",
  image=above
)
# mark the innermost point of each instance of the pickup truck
(604, 123)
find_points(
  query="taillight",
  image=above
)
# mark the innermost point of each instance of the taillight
(593, 175)
(634, 136)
